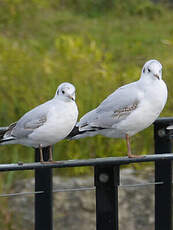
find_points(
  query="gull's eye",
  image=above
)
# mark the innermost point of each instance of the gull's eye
(149, 70)
(63, 91)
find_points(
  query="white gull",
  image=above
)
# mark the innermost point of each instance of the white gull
(46, 124)
(128, 110)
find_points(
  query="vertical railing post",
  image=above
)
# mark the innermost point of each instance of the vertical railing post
(106, 182)
(163, 173)
(43, 201)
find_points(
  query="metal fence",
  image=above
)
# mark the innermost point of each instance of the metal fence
(106, 181)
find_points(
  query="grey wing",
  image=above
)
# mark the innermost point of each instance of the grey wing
(121, 98)
(31, 121)
(27, 127)
(113, 109)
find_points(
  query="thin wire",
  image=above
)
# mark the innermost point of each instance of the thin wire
(78, 189)
(20, 194)
(74, 189)
(140, 185)
(120, 186)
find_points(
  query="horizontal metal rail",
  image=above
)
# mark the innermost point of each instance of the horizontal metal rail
(91, 162)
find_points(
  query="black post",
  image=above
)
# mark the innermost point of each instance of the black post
(106, 182)
(43, 201)
(163, 172)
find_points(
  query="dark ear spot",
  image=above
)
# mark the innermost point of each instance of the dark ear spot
(143, 70)
(57, 92)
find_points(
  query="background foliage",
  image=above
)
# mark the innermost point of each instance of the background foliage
(96, 45)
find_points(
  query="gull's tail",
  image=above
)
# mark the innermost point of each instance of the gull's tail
(86, 127)
(76, 133)
(5, 135)
(3, 131)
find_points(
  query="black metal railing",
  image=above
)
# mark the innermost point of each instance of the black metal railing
(106, 181)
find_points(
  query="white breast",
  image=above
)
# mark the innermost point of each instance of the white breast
(59, 124)
(147, 111)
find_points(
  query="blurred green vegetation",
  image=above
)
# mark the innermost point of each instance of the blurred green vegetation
(96, 45)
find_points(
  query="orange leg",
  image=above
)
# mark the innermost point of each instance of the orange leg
(41, 154)
(50, 154)
(130, 155)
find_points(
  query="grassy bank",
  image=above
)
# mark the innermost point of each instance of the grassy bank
(96, 48)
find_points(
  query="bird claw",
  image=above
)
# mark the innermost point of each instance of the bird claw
(51, 162)
(135, 156)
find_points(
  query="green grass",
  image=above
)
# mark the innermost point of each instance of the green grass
(42, 45)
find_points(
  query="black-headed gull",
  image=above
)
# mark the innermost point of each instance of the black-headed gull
(130, 109)
(46, 124)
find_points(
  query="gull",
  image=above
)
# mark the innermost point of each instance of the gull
(46, 124)
(128, 110)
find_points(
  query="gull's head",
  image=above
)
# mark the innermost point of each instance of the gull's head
(66, 91)
(152, 69)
